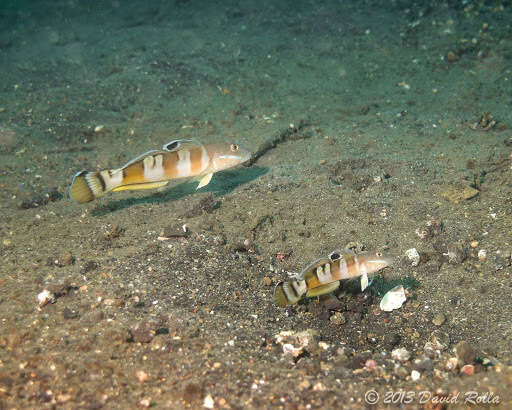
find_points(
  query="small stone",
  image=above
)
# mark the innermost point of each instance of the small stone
(175, 231)
(456, 253)
(415, 375)
(67, 313)
(465, 352)
(337, 319)
(141, 376)
(451, 364)
(145, 403)
(64, 259)
(370, 364)
(502, 259)
(451, 57)
(267, 281)
(304, 385)
(401, 354)
(440, 340)
(413, 256)
(468, 369)
(423, 364)
(192, 393)
(439, 319)
(208, 402)
(144, 331)
(430, 350)
(482, 255)
(391, 340)
(456, 194)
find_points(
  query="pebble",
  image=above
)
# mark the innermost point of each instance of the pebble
(267, 281)
(440, 340)
(192, 393)
(208, 402)
(415, 375)
(456, 194)
(502, 259)
(144, 331)
(337, 319)
(401, 354)
(451, 364)
(304, 384)
(141, 375)
(456, 253)
(175, 231)
(468, 369)
(465, 352)
(65, 258)
(430, 350)
(423, 364)
(439, 319)
(482, 255)
(413, 255)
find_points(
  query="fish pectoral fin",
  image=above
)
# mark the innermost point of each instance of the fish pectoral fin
(322, 290)
(134, 187)
(205, 180)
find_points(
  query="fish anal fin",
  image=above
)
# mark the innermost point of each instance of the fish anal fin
(135, 187)
(323, 289)
(205, 180)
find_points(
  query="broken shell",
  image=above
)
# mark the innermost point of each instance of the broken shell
(401, 354)
(45, 297)
(393, 299)
(413, 256)
(482, 255)
(364, 282)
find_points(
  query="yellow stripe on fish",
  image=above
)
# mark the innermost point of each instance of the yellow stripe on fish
(153, 169)
(324, 275)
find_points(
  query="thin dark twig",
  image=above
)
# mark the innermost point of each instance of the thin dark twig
(293, 132)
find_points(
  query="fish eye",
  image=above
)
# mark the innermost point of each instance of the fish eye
(334, 256)
(234, 147)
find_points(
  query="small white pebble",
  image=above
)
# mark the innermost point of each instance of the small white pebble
(99, 128)
(413, 256)
(208, 402)
(482, 255)
(415, 375)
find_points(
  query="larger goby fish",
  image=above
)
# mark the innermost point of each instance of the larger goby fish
(153, 169)
(324, 275)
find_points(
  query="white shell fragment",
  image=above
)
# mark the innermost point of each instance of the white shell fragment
(364, 282)
(413, 256)
(45, 297)
(394, 299)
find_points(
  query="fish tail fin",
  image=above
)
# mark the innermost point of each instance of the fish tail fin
(289, 292)
(87, 186)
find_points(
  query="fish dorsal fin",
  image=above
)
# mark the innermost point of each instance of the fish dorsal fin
(311, 268)
(136, 159)
(177, 145)
(338, 254)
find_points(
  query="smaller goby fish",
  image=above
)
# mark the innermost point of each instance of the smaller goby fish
(153, 169)
(324, 275)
